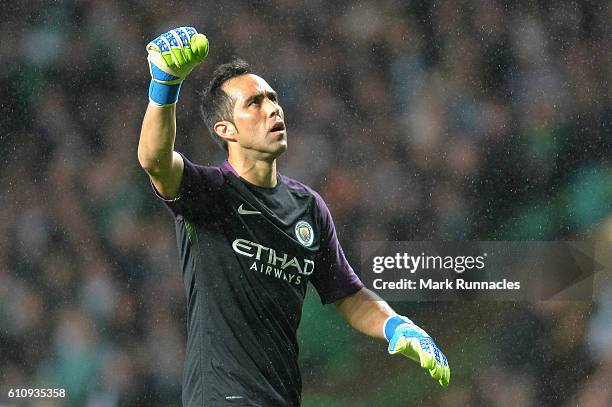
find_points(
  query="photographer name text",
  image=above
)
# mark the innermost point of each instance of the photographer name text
(404, 262)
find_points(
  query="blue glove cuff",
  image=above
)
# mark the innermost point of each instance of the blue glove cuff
(392, 323)
(162, 94)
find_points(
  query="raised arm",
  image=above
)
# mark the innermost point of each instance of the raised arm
(171, 56)
(368, 313)
(156, 153)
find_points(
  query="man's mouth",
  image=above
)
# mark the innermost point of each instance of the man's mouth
(279, 126)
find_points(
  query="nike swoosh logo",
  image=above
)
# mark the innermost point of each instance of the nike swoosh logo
(243, 211)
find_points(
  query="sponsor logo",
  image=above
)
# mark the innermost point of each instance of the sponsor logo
(270, 262)
(243, 211)
(304, 233)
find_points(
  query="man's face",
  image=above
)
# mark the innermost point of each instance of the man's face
(258, 118)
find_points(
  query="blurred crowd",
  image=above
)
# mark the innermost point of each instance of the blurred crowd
(416, 120)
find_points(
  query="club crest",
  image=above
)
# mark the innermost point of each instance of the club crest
(304, 233)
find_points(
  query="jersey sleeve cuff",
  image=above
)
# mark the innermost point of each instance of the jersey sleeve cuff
(176, 204)
(161, 197)
(338, 295)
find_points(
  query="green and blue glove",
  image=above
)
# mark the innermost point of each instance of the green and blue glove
(172, 56)
(411, 341)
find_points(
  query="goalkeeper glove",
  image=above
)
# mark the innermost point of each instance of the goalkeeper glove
(411, 341)
(172, 56)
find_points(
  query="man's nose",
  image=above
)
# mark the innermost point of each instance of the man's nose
(275, 108)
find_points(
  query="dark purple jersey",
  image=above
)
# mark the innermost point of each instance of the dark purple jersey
(247, 255)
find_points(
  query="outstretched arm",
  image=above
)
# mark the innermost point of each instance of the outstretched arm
(171, 57)
(368, 313)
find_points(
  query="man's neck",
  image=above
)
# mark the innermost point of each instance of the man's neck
(256, 172)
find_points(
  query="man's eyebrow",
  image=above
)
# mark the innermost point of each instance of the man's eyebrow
(260, 95)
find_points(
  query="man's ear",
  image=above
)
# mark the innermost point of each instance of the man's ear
(226, 130)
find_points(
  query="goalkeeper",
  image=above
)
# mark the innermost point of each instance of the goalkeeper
(251, 239)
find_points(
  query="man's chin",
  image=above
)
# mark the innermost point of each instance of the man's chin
(279, 148)
(272, 150)
(283, 147)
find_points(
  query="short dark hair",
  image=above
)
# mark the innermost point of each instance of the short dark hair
(216, 105)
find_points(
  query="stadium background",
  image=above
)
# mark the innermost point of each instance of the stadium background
(416, 120)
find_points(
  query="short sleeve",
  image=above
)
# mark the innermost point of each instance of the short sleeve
(198, 185)
(334, 277)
